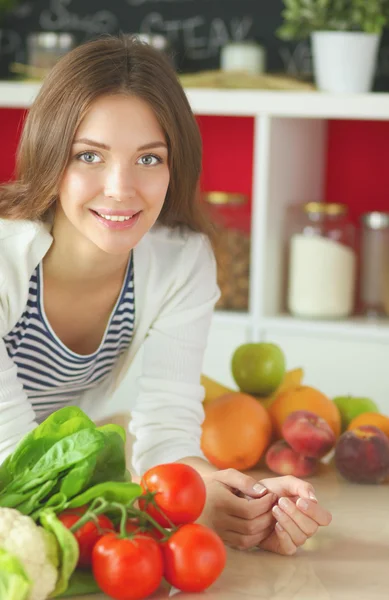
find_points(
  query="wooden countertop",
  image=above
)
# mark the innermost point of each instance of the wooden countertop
(347, 560)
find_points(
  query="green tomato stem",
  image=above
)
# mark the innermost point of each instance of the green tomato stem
(100, 506)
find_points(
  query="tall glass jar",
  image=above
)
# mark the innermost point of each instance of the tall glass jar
(374, 263)
(230, 213)
(322, 261)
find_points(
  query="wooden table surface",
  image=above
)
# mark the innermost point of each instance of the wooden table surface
(347, 560)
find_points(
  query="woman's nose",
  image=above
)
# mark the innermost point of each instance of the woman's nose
(120, 183)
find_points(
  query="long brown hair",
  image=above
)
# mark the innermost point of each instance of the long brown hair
(108, 65)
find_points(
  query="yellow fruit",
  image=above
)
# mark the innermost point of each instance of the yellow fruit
(291, 380)
(213, 389)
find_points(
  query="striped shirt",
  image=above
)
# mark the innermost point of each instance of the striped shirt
(52, 375)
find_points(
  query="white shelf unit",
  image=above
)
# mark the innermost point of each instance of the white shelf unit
(290, 138)
(290, 147)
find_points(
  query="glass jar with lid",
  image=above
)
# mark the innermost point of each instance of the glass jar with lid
(322, 257)
(374, 263)
(230, 214)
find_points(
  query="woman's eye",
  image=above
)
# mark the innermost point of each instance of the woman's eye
(88, 157)
(149, 160)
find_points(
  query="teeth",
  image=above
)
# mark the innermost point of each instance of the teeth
(114, 217)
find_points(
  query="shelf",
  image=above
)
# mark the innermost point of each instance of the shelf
(320, 105)
(17, 94)
(373, 106)
(360, 329)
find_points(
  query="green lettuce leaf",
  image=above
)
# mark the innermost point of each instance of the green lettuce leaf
(60, 424)
(68, 551)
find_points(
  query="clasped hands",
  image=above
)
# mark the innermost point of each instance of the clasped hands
(277, 514)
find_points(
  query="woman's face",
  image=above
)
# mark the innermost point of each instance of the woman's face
(117, 177)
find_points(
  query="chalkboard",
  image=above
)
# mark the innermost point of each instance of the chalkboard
(197, 29)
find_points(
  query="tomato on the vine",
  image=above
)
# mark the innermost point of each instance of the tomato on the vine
(180, 494)
(127, 568)
(194, 557)
(132, 527)
(87, 535)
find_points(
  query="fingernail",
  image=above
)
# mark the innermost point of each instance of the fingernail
(279, 526)
(312, 496)
(284, 503)
(259, 489)
(301, 503)
(277, 511)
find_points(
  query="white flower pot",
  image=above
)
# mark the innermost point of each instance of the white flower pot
(344, 61)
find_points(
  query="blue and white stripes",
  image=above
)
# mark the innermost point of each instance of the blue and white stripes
(52, 375)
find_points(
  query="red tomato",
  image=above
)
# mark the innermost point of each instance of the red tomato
(153, 532)
(127, 569)
(87, 535)
(180, 494)
(194, 557)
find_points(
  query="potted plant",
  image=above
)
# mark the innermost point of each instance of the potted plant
(345, 37)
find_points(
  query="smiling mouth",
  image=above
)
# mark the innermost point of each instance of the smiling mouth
(120, 218)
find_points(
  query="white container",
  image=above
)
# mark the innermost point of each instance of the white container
(322, 278)
(243, 56)
(344, 61)
(322, 261)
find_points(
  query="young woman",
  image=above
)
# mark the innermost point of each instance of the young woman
(103, 248)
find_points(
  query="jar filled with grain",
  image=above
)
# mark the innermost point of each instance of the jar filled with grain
(231, 216)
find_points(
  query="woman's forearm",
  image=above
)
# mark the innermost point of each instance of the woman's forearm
(201, 465)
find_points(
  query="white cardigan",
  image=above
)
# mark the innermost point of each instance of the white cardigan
(175, 293)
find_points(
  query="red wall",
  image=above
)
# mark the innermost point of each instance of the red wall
(10, 126)
(358, 165)
(357, 161)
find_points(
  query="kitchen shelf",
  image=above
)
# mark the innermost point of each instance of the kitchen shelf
(20, 94)
(289, 104)
(355, 328)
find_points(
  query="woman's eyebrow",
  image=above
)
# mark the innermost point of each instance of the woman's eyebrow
(87, 141)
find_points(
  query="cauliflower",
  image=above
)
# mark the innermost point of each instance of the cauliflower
(34, 547)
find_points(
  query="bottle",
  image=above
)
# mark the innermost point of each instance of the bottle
(374, 263)
(322, 262)
(230, 214)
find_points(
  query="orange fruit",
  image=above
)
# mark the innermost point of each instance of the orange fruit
(236, 431)
(304, 397)
(371, 418)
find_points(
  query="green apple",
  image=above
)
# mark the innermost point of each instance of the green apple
(352, 406)
(258, 368)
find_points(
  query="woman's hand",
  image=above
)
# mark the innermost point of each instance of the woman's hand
(239, 508)
(297, 512)
(244, 511)
(277, 514)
